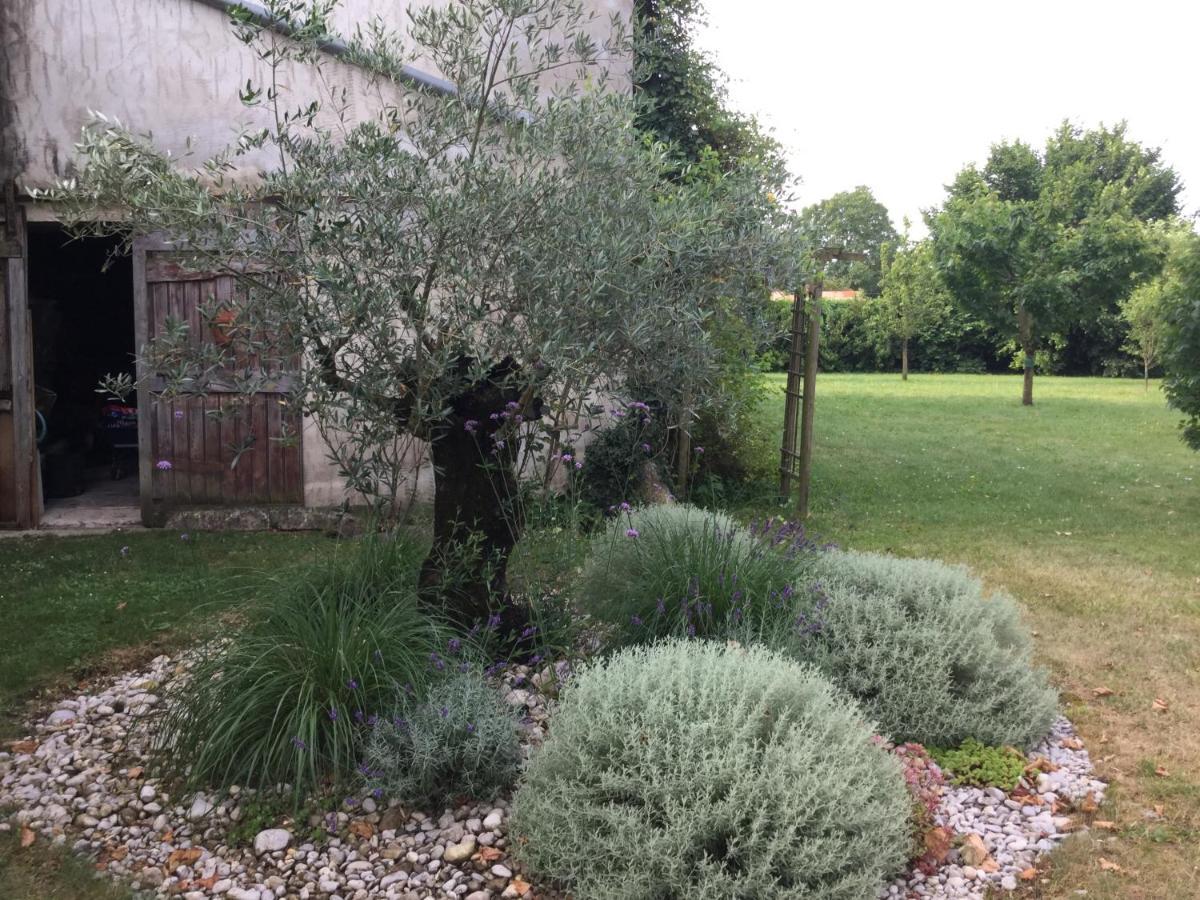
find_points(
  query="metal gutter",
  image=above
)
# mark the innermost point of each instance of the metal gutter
(332, 46)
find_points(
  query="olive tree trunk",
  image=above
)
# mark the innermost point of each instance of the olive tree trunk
(477, 514)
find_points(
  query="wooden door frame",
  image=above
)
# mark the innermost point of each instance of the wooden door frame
(151, 515)
(25, 481)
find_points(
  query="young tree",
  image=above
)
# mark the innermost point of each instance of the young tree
(1144, 312)
(1035, 244)
(912, 299)
(1181, 333)
(458, 269)
(854, 220)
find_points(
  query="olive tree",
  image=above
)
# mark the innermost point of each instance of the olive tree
(469, 270)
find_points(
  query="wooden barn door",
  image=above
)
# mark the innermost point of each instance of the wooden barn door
(190, 455)
(20, 488)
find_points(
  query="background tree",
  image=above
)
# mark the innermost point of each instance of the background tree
(1144, 312)
(854, 220)
(912, 299)
(687, 105)
(1036, 245)
(1181, 334)
(457, 270)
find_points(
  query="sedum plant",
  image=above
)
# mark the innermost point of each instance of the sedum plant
(931, 656)
(696, 769)
(681, 570)
(981, 766)
(463, 271)
(460, 739)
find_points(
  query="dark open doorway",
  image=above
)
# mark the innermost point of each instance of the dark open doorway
(81, 304)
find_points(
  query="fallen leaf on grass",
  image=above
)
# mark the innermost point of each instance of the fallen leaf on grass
(519, 886)
(122, 605)
(363, 829)
(1105, 825)
(1088, 804)
(1107, 865)
(489, 854)
(1102, 692)
(1028, 874)
(22, 746)
(136, 772)
(1159, 705)
(1161, 771)
(1071, 744)
(27, 836)
(182, 858)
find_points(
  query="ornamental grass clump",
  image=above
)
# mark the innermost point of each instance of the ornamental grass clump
(289, 698)
(678, 570)
(931, 656)
(695, 769)
(461, 739)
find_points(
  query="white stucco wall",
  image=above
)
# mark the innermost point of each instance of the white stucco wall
(173, 68)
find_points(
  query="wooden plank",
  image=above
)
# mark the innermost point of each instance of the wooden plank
(261, 451)
(141, 337)
(27, 501)
(229, 431)
(294, 462)
(212, 448)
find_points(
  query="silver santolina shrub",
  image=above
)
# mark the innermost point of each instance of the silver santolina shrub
(693, 769)
(931, 656)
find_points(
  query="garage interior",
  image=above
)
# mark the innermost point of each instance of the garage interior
(81, 307)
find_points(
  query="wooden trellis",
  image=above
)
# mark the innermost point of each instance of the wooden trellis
(800, 395)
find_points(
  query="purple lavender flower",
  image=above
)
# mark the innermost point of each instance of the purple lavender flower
(352, 684)
(470, 728)
(470, 426)
(635, 620)
(528, 632)
(333, 714)
(662, 606)
(358, 715)
(164, 465)
(454, 645)
(493, 621)
(444, 712)
(299, 744)
(377, 793)
(436, 661)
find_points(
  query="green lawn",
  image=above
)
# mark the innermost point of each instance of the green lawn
(1087, 508)
(78, 606)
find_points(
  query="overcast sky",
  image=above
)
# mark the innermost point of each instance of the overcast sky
(901, 95)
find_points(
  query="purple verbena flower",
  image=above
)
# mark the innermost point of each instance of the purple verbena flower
(632, 533)
(164, 465)
(470, 426)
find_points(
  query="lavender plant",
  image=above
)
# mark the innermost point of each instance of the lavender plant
(460, 739)
(458, 274)
(720, 772)
(679, 570)
(932, 657)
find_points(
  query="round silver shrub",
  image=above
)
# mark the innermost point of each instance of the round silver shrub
(460, 740)
(695, 769)
(931, 656)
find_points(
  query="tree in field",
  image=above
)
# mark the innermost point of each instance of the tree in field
(1034, 244)
(1181, 332)
(912, 299)
(853, 220)
(1144, 312)
(470, 272)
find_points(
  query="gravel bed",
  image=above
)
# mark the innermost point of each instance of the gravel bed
(1001, 836)
(79, 779)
